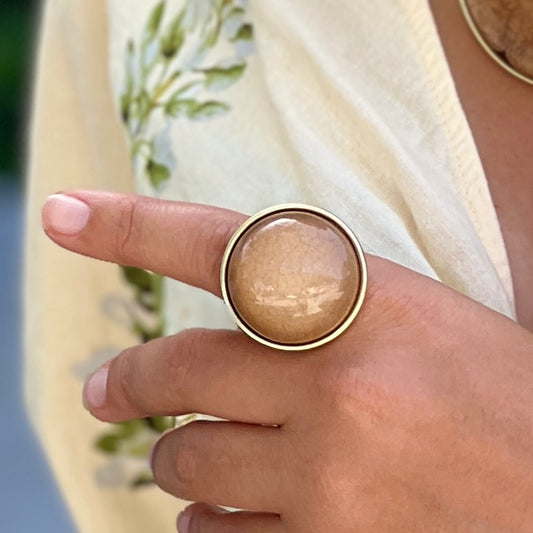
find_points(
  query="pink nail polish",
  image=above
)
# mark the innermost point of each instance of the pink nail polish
(65, 214)
(184, 519)
(95, 390)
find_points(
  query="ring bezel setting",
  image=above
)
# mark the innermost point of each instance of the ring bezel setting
(242, 232)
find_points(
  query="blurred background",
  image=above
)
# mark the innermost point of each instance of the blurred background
(29, 500)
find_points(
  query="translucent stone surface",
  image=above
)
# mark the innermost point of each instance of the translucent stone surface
(293, 277)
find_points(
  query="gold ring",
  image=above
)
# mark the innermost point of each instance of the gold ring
(294, 277)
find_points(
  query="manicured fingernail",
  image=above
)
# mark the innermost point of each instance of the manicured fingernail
(184, 519)
(65, 214)
(95, 390)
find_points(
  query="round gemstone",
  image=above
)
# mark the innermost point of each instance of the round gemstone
(293, 277)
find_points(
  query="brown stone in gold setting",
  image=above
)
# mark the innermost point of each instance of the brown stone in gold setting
(505, 30)
(294, 277)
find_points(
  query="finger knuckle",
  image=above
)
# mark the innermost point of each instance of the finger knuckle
(214, 240)
(126, 369)
(185, 364)
(129, 228)
(350, 391)
(176, 471)
(336, 384)
(185, 459)
(202, 518)
(197, 521)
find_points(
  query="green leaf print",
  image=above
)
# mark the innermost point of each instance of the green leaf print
(180, 108)
(156, 67)
(232, 13)
(174, 38)
(125, 105)
(141, 279)
(233, 20)
(161, 423)
(154, 22)
(158, 173)
(143, 479)
(220, 78)
(143, 105)
(134, 439)
(245, 33)
(208, 110)
(123, 432)
(108, 443)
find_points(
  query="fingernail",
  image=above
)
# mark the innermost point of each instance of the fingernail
(65, 214)
(95, 390)
(184, 519)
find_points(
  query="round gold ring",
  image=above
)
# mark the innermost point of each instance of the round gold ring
(294, 277)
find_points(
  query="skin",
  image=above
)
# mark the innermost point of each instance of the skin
(499, 108)
(418, 418)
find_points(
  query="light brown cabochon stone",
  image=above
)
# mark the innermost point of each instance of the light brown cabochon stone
(293, 277)
(507, 27)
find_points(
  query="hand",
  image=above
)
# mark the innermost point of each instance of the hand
(418, 418)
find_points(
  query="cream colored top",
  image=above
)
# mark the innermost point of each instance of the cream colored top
(345, 105)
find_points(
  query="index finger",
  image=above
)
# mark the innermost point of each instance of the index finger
(180, 240)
